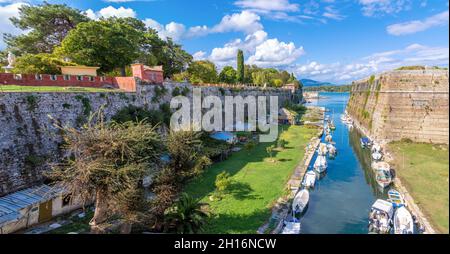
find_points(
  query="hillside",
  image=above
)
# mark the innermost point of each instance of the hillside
(310, 82)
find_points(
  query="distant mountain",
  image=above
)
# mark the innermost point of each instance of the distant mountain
(310, 82)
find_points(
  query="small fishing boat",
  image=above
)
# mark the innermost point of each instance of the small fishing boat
(329, 138)
(396, 198)
(376, 148)
(380, 165)
(331, 150)
(320, 165)
(383, 177)
(403, 221)
(380, 217)
(365, 142)
(322, 149)
(291, 228)
(376, 156)
(332, 126)
(300, 202)
(310, 179)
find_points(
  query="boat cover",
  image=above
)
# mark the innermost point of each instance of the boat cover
(384, 206)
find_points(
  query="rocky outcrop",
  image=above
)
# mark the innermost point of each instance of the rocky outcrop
(403, 104)
(29, 141)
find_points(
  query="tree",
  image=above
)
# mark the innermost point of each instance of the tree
(269, 151)
(223, 182)
(47, 25)
(185, 217)
(227, 75)
(107, 161)
(108, 43)
(240, 67)
(39, 63)
(202, 72)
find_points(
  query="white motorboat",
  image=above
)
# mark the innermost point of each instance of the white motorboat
(380, 165)
(291, 228)
(376, 148)
(383, 177)
(380, 217)
(300, 202)
(320, 165)
(331, 149)
(322, 149)
(309, 179)
(329, 138)
(403, 221)
(376, 156)
(396, 198)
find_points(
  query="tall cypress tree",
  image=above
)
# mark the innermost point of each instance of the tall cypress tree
(240, 67)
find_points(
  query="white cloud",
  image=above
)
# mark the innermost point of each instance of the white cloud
(380, 7)
(199, 55)
(275, 53)
(110, 11)
(332, 13)
(246, 21)
(414, 54)
(261, 50)
(267, 5)
(410, 27)
(6, 12)
(174, 30)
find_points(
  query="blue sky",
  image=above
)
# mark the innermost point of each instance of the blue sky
(327, 40)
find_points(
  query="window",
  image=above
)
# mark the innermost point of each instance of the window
(38, 77)
(80, 78)
(66, 200)
(17, 76)
(92, 79)
(102, 78)
(53, 77)
(66, 77)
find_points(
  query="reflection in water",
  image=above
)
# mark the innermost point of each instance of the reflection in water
(341, 200)
(366, 161)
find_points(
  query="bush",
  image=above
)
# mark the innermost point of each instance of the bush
(136, 114)
(281, 143)
(223, 182)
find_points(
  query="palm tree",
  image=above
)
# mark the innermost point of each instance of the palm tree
(186, 217)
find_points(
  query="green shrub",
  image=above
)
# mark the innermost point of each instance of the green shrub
(176, 92)
(223, 182)
(32, 102)
(132, 113)
(66, 105)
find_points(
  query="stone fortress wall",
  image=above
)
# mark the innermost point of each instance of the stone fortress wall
(27, 136)
(403, 104)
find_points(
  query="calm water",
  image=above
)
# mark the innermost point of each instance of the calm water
(341, 200)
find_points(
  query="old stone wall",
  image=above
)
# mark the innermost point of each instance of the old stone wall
(29, 141)
(403, 104)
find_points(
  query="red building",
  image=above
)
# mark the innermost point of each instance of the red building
(149, 74)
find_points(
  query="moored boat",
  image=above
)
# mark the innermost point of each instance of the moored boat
(380, 217)
(322, 149)
(376, 156)
(320, 165)
(329, 138)
(291, 228)
(300, 202)
(309, 179)
(403, 221)
(365, 142)
(383, 177)
(396, 198)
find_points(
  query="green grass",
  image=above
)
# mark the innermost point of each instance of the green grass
(257, 183)
(51, 89)
(79, 225)
(423, 169)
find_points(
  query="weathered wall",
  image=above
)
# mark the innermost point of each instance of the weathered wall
(27, 136)
(403, 104)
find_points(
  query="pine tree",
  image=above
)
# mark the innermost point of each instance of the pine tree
(240, 67)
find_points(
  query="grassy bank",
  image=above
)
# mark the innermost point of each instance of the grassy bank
(50, 89)
(424, 169)
(257, 183)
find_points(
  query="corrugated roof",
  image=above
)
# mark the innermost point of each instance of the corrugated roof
(11, 204)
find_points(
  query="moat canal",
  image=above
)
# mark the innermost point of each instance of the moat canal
(341, 200)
